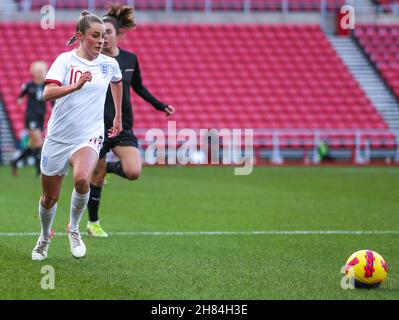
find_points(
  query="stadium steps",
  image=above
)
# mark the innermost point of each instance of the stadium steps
(8, 7)
(370, 4)
(363, 6)
(7, 145)
(369, 79)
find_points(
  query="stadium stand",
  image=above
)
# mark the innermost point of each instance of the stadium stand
(381, 44)
(218, 76)
(386, 5)
(256, 5)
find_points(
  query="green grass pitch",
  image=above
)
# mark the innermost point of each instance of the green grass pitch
(208, 266)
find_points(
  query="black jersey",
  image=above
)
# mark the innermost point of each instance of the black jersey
(131, 77)
(36, 105)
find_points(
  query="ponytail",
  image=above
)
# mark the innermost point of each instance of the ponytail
(71, 40)
(122, 17)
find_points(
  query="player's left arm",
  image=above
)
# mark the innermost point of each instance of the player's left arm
(22, 93)
(117, 91)
(143, 92)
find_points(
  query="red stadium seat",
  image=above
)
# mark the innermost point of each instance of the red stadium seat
(381, 44)
(234, 76)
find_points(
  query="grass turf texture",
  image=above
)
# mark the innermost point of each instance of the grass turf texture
(208, 266)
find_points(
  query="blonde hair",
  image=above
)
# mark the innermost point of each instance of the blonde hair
(39, 66)
(84, 21)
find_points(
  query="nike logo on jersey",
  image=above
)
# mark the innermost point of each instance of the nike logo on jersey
(129, 70)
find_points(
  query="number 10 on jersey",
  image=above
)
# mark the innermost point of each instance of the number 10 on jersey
(74, 76)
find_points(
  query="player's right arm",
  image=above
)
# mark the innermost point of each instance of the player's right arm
(53, 91)
(56, 86)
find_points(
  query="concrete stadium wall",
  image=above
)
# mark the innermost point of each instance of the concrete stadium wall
(208, 18)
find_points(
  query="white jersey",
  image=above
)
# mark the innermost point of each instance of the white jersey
(79, 116)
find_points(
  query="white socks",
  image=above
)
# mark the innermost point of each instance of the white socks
(46, 219)
(78, 205)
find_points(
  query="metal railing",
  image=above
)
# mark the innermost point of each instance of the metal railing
(357, 146)
(360, 145)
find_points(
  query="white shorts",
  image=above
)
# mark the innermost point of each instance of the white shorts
(56, 155)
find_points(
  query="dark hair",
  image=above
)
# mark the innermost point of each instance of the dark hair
(84, 21)
(122, 17)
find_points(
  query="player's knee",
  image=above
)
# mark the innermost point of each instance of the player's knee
(132, 174)
(97, 181)
(37, 144)
(82, 184)
(98, 176)
(49, 200)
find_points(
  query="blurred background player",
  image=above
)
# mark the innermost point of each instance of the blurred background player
(125, 145)
(78, 81)
(34, 114)
(324, 151)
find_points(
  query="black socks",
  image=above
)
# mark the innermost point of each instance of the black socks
(94, 202)
(116, 168)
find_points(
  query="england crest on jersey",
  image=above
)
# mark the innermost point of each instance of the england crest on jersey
(105, 68)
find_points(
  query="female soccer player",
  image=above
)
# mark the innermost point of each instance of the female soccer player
(34, 114)
(125, 145)
(78, 80)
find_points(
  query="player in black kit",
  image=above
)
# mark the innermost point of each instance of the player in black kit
(34, 114)
(125, 145)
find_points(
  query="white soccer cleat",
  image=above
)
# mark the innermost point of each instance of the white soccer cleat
(78, 248)
(40, 251)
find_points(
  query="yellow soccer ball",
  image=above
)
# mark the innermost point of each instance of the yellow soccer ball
(367, 268)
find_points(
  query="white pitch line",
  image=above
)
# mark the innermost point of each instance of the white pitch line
(222, 233)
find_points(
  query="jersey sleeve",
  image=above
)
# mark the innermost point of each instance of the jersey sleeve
(57, 71)
(143, 92)
(117, 76)
(24, 90)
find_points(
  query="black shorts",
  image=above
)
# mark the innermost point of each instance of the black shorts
(125, 139)
(33, 122)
